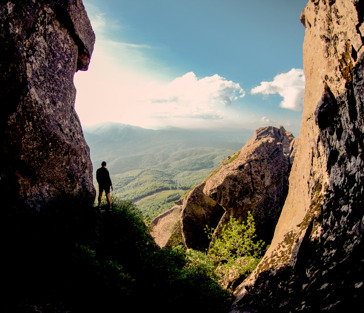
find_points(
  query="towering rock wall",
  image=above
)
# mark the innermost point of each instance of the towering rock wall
(315, 261)
(43, 152)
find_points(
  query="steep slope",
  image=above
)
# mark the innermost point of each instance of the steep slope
(44, 155)
(315, 262)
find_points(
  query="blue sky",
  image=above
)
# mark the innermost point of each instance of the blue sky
(194, 64)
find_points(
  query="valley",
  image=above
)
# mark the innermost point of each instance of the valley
(155, 168)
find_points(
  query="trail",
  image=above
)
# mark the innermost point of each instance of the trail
(150, 196)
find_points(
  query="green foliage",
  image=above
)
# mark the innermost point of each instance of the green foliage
(78, 259)
(200, 260)
(236, 248)
(231, 158)
(199, 283)
(231, 257)
(158, 203)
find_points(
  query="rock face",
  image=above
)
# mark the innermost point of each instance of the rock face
(315, 262)
(255, 179)
(198, 211)
(43, 151)
(166, 227)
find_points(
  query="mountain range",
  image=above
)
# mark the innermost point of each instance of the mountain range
(154, 168)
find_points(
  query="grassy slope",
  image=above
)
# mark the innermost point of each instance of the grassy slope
(76, 259)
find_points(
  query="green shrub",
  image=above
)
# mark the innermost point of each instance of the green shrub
(236, 251)
(197, 286)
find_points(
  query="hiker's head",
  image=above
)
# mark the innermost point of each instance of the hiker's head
(103, 164)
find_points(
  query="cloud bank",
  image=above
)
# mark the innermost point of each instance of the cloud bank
(290, 86)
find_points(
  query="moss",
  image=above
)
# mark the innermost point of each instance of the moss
(176, 238)
(281, 255)
(318, 196)
(283, 252)
(223, 163)
(346, 63)
(214, 172)
(232, 158)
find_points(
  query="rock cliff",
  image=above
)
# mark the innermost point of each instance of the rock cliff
(254, 179)
(43, 151)
(315, 261)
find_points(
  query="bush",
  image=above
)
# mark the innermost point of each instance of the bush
(196, 284)
(236, 252)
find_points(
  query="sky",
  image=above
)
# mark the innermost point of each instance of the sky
(218, 64)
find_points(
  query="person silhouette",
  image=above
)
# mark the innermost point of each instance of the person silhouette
(104, 181)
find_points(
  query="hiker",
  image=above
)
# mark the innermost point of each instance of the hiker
(104, 181)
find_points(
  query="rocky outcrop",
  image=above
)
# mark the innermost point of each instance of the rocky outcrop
(43, 151)
(254, 179)
(315, 261)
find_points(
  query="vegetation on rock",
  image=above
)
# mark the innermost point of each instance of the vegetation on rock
(237, 248)
(232, 256)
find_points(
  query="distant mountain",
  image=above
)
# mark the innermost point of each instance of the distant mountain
(156, 167)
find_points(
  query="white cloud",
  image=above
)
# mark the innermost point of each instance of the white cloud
(267, 121)
(187, 101)
(290, 86)
(190, 96)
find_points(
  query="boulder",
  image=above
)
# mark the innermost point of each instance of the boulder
(315, 261)
(256, 181)
(198, 212)
(44, 155)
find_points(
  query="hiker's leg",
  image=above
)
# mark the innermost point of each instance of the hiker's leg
(108, 199)
(100, 197)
